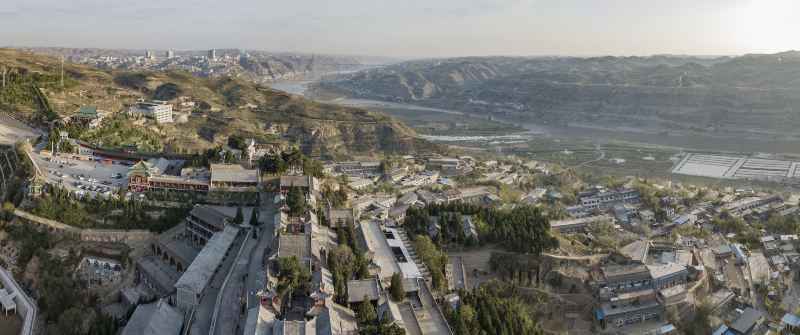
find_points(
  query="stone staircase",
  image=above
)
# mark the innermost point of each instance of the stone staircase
(417, 260)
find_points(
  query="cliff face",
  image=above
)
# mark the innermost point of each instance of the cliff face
(757, 93)
(322, 139)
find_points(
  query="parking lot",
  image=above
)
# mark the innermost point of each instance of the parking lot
(83, 177)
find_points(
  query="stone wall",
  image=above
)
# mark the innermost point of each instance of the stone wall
(89, 235)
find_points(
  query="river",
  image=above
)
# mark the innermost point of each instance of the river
(599, 135)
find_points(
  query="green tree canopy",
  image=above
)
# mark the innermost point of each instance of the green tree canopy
(70, 322)
(239, 219)
(366, 312)
(296, 201)
(237, 141)
(254, 217)
(396, 289)
(292, 276)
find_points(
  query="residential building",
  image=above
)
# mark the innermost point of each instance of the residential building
(159, 110)
(448, 166)
(359, 169)
(600, 197)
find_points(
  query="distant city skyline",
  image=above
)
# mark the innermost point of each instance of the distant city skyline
(409, 29)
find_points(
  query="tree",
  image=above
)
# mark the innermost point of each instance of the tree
(492, 308)
(292, 276)
(366, 312)
(239, 219)
(103, 325)
(272, 164)
(673, 316)
(396, 288)
(254, 217)
(70, 322)
(382, 329)
(237, 141)
(296, 201)
(312, 167)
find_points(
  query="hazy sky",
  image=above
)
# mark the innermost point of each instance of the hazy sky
(410, 28)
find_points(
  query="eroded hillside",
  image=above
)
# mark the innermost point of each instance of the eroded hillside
(758, 94)
(208, 110)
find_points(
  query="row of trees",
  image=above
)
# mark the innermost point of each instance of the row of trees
(523, 229)
(346, 262)
(434, 260)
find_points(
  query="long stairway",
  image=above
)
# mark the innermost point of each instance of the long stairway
(417, 260)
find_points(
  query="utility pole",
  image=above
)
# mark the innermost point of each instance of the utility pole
(4, 75)
(62, 71)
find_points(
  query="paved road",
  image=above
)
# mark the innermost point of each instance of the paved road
(247, 276)
(256, 276)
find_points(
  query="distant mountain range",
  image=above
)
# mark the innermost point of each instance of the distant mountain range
(758, 94)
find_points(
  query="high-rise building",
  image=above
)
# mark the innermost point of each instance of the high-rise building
(212, 54)
(170, 54)
(150, 54)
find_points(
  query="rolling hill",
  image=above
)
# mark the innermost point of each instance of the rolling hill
(222, 106)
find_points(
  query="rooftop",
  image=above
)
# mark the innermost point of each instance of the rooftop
(622, 270)
(791, 319)
(209, 215)
(374, 241)
(357, 289)
(233, 173)
(660, 272)
(199, 273)
(295, 245)
(636, 250)
(87, 112)
(299, 181)
(746, 320)
(654, 306)
(157, 318)
(336, 319)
